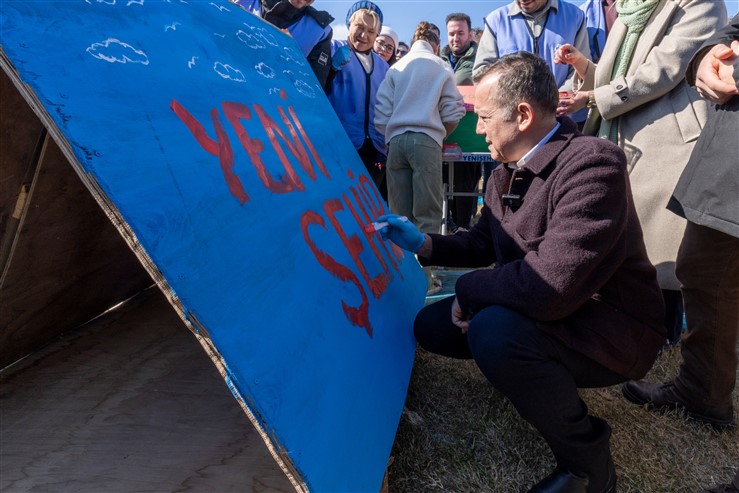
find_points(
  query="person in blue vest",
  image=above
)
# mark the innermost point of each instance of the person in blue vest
(539, 27)
(599, 17)
(309, 27)
(356, 76)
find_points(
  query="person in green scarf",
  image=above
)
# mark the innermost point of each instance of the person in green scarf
(639, 99)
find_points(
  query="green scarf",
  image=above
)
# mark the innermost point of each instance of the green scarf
(634, 14)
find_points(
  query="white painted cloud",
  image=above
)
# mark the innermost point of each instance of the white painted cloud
(265, 70)
(249, 39)
(292, 56)
(228, 72)
(113, 50)
(256, 37)
(305, 89)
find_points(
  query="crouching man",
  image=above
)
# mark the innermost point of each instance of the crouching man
(573, 300)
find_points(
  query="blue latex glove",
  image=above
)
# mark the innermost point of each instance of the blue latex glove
(402, 232)
(341, 57)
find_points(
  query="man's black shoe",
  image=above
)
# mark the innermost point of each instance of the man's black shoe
(662, 396)
(561, 481)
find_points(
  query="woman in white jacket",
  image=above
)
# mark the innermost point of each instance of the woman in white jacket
(640, 100)
(418, 105)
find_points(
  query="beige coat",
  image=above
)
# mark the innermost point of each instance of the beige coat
(660, 116)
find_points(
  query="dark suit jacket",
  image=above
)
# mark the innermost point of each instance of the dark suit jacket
(571, 257)
(708, 190)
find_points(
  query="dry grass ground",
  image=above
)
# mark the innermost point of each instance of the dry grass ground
(457, 434)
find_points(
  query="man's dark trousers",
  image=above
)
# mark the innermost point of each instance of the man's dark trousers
(535, 371)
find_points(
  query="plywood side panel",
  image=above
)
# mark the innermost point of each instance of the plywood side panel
(21, 137)
(68, 265)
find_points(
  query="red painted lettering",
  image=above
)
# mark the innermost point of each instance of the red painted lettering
(274, 131)
(294, 139)
(354, 246)
(358, 316)
(221, 147)
(253, 147)
(372, 235)
(376, 207)
(312, 149)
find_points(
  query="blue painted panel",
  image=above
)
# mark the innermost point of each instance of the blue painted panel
(207, 130)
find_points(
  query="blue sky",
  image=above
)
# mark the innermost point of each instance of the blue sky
(404, 15)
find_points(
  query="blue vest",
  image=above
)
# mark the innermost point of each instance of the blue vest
(354, 95)
(308, 33)
(512, 34)
(253, 6)
(596, 21)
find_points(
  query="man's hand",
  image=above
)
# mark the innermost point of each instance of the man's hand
(341, 57)
(401, 232)
(714, 78)
(460, 319)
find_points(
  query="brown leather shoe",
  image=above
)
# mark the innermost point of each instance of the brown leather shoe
(661, 396)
